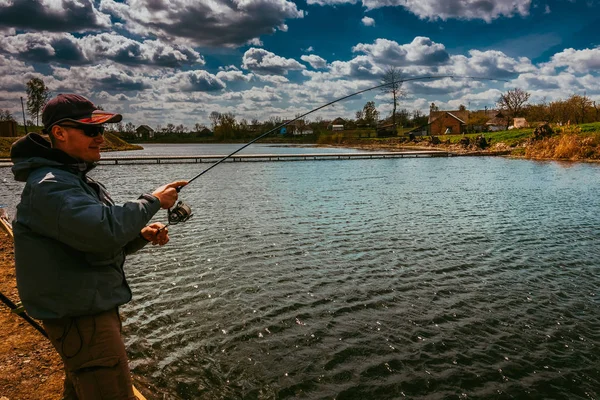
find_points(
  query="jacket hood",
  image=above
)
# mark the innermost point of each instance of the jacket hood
(33, 151)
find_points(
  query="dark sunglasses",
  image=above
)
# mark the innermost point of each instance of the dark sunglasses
(88, 130)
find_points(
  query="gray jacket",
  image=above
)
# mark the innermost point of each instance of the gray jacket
(70, 238)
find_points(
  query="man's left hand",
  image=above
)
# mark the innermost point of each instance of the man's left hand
(156, 233)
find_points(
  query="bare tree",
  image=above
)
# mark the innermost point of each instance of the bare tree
(393, 85)
(513, 103)
(37, 97)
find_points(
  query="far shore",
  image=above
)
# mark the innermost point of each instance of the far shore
(566, 143)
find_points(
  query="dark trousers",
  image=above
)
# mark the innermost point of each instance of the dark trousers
(94, 356)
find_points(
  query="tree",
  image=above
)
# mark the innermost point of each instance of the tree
(214, 117)
(5, 115)
(512, 103)
(393, 85)
(578, 107)
(37, 97)
(129, 128)
(370, 114)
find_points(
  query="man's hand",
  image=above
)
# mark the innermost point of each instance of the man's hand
(167, 194)
(156, 233)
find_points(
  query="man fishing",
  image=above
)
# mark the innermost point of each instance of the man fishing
(71, 241)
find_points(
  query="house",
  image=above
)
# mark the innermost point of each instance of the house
(297, 127)
(519, 123)
(8, 128)
(337, 124)
(498, 123)
(144, 132)
(204, 133)
(448, 122)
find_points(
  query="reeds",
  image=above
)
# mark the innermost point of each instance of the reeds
(569, 144)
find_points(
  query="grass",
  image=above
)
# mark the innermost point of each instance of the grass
(511, 138)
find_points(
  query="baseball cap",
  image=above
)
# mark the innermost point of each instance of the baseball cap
(77, 109)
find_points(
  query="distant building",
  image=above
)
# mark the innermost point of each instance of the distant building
(144, 132)
(519, 123)
(205, 132)
(8, 128)
(337, 124)
(448, 122)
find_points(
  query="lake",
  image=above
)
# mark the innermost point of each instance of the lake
(427, 278)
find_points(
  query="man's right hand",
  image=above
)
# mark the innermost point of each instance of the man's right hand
(167, 194)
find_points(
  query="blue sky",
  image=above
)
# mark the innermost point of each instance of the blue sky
(160, 61)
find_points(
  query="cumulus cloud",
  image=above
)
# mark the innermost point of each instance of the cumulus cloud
(264, 62)
(491, 63)
(108, 77)
(194, 81)
(274, 79)
(128, 51)
(368, 21)
(315, 61)
(581, 61)
(361, 67)
(486, 10)
(208, 23)
(234, 76)
(421, 51)
(52, 15)
(67, 49)
(14, 74)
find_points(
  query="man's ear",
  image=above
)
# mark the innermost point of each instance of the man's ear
(58, 133)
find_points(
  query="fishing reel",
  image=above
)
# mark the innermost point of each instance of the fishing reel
(180, 213)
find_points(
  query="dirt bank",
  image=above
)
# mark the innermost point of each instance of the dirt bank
(29, 367)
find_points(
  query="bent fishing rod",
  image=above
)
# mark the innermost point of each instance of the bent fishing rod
(182, 212)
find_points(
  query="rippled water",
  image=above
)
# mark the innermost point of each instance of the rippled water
(421, 278)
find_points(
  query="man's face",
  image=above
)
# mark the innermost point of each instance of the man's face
(78, 145)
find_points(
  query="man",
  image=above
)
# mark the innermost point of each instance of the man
(71, 240)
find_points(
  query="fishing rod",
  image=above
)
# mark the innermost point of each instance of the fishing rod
(182, 212)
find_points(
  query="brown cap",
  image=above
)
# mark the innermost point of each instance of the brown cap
(77, 109)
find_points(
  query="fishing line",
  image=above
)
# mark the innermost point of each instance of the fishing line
(182, 212)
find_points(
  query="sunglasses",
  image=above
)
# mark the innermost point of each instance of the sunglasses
(88, 130)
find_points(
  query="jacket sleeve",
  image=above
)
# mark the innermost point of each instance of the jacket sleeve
(60, 207)
(135, 245)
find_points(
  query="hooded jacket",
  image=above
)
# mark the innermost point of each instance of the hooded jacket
(70, 238)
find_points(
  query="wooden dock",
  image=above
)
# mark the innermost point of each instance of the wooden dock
(125, 160)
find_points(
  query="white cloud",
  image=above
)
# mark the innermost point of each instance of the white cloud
(193, 81)
(274, 79)
(547, 9)
(234, 75)
(255, 42)
(368, 21)
(109, 77)
(264, 62)
(360, 67)
(580, 61)
(315, 61)
(421, 51)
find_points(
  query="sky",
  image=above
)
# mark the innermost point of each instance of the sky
(176, 61)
